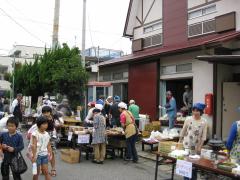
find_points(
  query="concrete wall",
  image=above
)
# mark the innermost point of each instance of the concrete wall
(224, 74)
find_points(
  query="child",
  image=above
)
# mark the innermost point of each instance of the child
(11, 143)
(47, 112)
(41, 148)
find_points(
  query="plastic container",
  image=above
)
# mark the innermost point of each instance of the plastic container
(34, 168)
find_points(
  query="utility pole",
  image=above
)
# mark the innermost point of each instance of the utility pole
(83, 49)
(13, 78)
(98, 63)
(56, 24)
(84, 32)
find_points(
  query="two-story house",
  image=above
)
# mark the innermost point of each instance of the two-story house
(177, 43)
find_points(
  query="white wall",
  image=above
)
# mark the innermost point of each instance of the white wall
(193, 3)
(154, 15)
(202, 80)
(156, 11)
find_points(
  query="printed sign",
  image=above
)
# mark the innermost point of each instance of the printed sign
(70, 134)
(83, 139)
(184, 168)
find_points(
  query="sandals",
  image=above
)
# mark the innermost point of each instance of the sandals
(53, 173)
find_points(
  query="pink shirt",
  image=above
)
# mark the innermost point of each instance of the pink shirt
(123, 118)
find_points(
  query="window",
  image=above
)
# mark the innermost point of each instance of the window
(152, 41)
(152, 27)
(204, 27)
(202, 12)
(3, 69)
(106, 77)
(168, 70)
(195, 14)
(184, 67)
(117, 76)
(173, 69)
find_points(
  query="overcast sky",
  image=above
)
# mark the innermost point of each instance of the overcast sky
(105, 23)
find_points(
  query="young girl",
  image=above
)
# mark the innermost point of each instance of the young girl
(52, 121)
(11, 143)
(41, 148)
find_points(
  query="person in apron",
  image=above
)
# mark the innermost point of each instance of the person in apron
(129, 126)
(233, 142)
(194, 132)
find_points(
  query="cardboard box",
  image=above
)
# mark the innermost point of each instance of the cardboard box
(70, 155)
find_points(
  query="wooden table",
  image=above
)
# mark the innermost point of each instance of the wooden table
(200, 164)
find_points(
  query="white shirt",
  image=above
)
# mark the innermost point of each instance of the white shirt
(42, 142)
(14, 104)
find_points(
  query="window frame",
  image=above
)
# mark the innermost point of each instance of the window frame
(202, 9)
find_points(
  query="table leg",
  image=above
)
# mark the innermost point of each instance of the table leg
(173, 167)
(142, 146)
(80, 154)
(151, 147)
(156, 168)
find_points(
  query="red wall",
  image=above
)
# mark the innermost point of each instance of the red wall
(174, 22)
(142, 87)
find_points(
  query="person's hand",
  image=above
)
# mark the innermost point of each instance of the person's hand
(4, 146)
(34, 159)
(161, 107)
(10, 149)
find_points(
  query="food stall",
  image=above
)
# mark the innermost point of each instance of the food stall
(209, 162)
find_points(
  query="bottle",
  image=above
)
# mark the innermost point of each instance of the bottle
(34, 168)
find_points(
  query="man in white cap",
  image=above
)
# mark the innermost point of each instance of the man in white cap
(134, 109)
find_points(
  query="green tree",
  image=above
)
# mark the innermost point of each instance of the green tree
(57, 71)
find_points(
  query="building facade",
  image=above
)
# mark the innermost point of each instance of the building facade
(167, 37)
(21, 54)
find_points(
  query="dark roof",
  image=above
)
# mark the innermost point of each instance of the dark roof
(194, 43)
(221, 59)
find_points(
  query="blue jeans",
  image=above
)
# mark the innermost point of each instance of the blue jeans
(131, 148)
(41, 160)
(171, 122)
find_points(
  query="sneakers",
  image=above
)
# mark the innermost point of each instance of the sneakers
(97, 162)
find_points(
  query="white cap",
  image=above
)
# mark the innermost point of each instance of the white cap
(131, 101)
(122, 105)
(54, 103)
(99, 106)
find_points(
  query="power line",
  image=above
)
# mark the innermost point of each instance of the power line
(25, 29)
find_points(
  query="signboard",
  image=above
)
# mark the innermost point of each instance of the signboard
(184, 168)
(94, 68)
(70, 134)
(83, 139)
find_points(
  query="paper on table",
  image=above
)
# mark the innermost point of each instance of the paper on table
(70, 136)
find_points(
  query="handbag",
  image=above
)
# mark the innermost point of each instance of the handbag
(18, 164)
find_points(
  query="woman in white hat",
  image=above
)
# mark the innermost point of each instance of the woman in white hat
(99, 135)
(128, 124)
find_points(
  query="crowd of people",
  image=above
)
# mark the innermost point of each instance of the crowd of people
(102, 114)
(113, 113)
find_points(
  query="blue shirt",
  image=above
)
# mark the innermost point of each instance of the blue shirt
(15, 141)
(232, 136)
